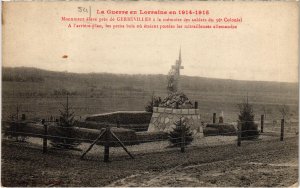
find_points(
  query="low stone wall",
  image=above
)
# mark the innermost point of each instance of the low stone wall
(163, 119)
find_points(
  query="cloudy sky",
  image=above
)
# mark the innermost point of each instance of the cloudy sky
(264, 47)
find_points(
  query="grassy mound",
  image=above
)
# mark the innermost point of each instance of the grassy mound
(101, 125)
(223, 129)
(17, 129)
(135, 120)
(151, 136)
(123, 117)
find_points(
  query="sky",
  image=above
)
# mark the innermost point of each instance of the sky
(264, 47)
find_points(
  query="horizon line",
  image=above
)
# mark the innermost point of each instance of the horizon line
(149, 74)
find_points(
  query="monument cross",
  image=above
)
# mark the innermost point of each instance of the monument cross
(174, 75)
(178, 66)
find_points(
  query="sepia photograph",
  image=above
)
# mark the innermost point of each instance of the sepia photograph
(150, 94)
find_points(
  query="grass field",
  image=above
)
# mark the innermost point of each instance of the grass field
(101, 93)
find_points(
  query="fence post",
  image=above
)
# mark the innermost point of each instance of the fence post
(221, 120)
(23, 117)
(16, 130)
(214, 117)
(282, 130)
(176, 105)
(262, 124)
(196, 104)
(182, 136)
(106, 144)
(239, 134)
(45, 136)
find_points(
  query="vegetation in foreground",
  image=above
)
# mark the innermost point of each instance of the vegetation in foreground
(65, 129)
(181, 133)
(246, 119)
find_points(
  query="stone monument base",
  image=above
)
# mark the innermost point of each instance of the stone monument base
(163, 119)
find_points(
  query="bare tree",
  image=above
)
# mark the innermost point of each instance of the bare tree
(284, 110)
(264, 109)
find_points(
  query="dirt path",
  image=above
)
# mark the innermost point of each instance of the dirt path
(255, 170)
(256, 163)
(221, 173)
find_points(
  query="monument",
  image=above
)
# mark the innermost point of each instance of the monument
(174, 75)
(175, 106)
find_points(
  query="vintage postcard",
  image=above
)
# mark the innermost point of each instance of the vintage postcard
(150, 94)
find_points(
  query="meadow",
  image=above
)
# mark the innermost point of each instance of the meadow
(40, 93)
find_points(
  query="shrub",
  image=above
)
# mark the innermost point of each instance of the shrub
(182, 128)
(223, 129)
(65, 130)
(246, 118)
(14, 129)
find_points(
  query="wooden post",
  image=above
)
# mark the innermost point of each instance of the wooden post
(102, 132)
(214, 117)
(16, 130)
(17, 111)
(121, 144)
(196, 104)
(45, 136)
(177, 106)
(262, 124)
(282, 130)
(182, 137)
(106, 144)
(239, 134)
(221, 119)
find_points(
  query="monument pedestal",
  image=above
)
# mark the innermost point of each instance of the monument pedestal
(163, 119)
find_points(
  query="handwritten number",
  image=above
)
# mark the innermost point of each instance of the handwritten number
(83, 9)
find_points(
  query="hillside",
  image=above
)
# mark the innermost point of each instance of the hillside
(105, 92)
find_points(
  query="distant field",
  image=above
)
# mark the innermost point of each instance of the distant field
(39, 93)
